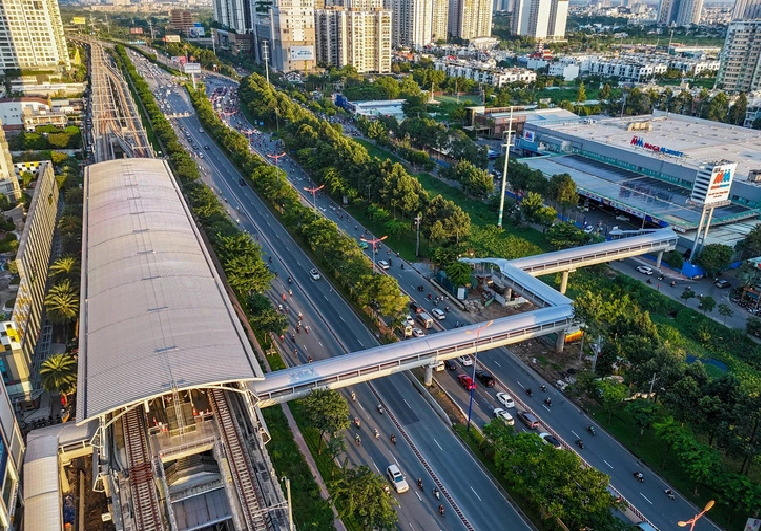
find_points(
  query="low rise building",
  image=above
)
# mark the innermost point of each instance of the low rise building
(484, 72)
(29, 86)
(25, 114)
(9, 186)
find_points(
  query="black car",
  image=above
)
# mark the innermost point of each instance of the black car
(450, 365)
(485, 378)
(242, 182)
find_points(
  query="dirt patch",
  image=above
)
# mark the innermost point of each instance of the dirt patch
(452, 411)
(95, 503)
(540, 355)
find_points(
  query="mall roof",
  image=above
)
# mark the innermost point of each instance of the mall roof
(155, 314)
(700, 140)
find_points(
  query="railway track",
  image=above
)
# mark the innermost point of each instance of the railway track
(145, 503)
(240, 467)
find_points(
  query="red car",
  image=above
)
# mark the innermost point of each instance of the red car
(467, 382)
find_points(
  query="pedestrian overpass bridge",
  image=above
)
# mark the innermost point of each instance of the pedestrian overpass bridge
(554, 315)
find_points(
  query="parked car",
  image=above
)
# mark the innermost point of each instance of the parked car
(417, 332)
(506, 400)
(549, 439)
(723, 284)
(645, 270)
(315, 274)
(466, 360)
(504, 415)
(409, 321)
(438, 314)
(467, 382)
(396, 478)
(415, 307)
(486, 378)
(529, 419)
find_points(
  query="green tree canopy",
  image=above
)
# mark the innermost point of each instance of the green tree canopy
(58, 373)
(715, 257)
(328, 412)
(360, 493)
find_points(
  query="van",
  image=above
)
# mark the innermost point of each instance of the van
(425, 320)
(439, 366)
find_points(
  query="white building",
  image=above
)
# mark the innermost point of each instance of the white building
(230, 13)
(357, 37)
(740, 69)
(470, 18)
(418, 23)
(624, 69)
(484, 72)
(11, 461)
(541, 19)
(679, 12)
(31, 36)
(292, 35)
(567, 68)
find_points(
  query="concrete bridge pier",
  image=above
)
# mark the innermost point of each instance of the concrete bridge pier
(560, 342)
(564, 280)
(428, 378)
(659, 258)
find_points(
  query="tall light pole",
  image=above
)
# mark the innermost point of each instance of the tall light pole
(314, 191)
(417, 234)
(277, 157)
(504, 170)
(373, 243)
(475, 364)
(692, 521)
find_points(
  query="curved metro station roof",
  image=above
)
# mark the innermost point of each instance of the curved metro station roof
(154, 312)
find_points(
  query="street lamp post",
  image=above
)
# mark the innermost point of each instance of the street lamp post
(314, 191)
(277, 157)
(692, 521)
(475, 364)
(373, 243)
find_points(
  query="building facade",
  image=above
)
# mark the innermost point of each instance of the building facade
(679, 12)
(31, 36)
(233, 14)
(11, 462)
(486, 73)
(9, 186)
(740, 69)
(357, 37)
(746, 10)
(541, 19)
(21, 332)
(293, 38)
(469, 19)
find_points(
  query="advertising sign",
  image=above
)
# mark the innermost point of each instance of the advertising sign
(302, 53)
(721, 182)
(753, 524)
(191, 68)
(196, 30)
(79, 21)
(172, 38)
(136, 31)
(179, 59)
(638, 141)
(528, 136)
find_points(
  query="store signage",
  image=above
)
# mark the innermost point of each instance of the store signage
(528, 136)
(638, 141)
(721, 182)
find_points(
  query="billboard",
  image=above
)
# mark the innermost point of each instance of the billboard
(196, 30)
(721, 182)
(179, 59)
(136, 31)
(172, 38)
(191, 68)
(528, 136)
(79, 21)
(302, 53)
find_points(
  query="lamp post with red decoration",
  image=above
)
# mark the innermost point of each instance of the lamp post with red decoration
(313, 190)
(373, 243)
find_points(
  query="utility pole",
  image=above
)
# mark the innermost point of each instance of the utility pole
(290, 507)
(504, 170)
(265, 51)
(417, 234)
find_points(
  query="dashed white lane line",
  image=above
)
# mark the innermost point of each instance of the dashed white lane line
(648, 501)
(609, 465)
(474, 492)
(437, 444)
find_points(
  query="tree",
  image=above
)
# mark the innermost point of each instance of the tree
(62, 304)
(532, 203)
(715, 258)
(566, 234)
(642, 411)
(563, 190)
(687, 294)
(707, 303)
(327, 411)
(459, 273)
(605, 92)
(546, 217)
(361, 494)
(750, 247)
(66, 266)
(263, 316)
(58, 373)
(737, 112)
(612, 394)
(725, 311)
(581, 93)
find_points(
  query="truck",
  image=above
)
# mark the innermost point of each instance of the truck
(425, 320)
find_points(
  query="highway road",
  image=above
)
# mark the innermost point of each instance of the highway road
(336, 329)
(425, 428)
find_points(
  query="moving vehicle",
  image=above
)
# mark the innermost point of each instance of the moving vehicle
(438, 314)
(439, 366)
(504, 415)
(549, 439)
(396, 478)
(363, 245)
(425, 320)
(506, 400)
(466, 360)
(486, 378)
(450, 365)
(645, 270)
(383, 265)
(315, 274)
(416, 307)
(723, 284)
(467, 382)
(529, 419)
(409, 320)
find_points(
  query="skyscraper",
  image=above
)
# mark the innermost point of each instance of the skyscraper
(418, 22)
(357, 37)
(679, 12)
(746, 10)
(740, 69)
(541, 19)
(292, 35)
(32, 37)
(470, 18)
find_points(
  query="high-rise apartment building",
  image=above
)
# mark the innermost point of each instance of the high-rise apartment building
(235, 14)
(679, 12)
(541, 19)
(291, 37)
(469, 19)
(746, 10)
(440, 20)
(31, 35)
(740, 69)
(357, 37)
(413, 21)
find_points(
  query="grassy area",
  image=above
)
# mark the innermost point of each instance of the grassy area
(310, 511)
(468, 99)
(707, 82)
(375, 151)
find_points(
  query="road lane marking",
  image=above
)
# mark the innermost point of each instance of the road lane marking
(648, 501)
(474, 492)
(575, 434)
(604, 461)
(418, 497)
(408, 404)
(519, 383)
(437, 444)
(376, 467)
(495, 362)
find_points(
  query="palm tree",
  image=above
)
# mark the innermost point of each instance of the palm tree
(59, 373)
(70, 223)
(66, 266)
(62, 304)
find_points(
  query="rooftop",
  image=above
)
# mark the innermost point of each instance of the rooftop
(155, 314)
(699, 140)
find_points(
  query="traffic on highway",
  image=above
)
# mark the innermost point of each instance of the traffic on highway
(398, 429)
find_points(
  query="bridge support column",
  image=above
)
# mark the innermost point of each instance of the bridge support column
(560, 342)
(428, 378)
(659, 258)
(508, 294)
(564, 282)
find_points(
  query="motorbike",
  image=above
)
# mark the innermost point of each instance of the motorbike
(441, 510)
(548, 401)
(591, 429)
(420, 483)
(380, 409)
(356, 422)
(639, 476)
(670, 494)
(543, 388)
(529, 392)
(580, 443)
(436, 493)
(393, 438)
(377, 435)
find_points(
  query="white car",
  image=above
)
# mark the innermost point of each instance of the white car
(417, 332)
(645, 270)
(396, 478)
(409, 321)
(383, 264)
(589, 229)
(466, 360)
(438, 314)
(504, 415)
(315, 274)
(622, 218)
(506, 400)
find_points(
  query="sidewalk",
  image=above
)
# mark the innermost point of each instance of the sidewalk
(311, 464)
